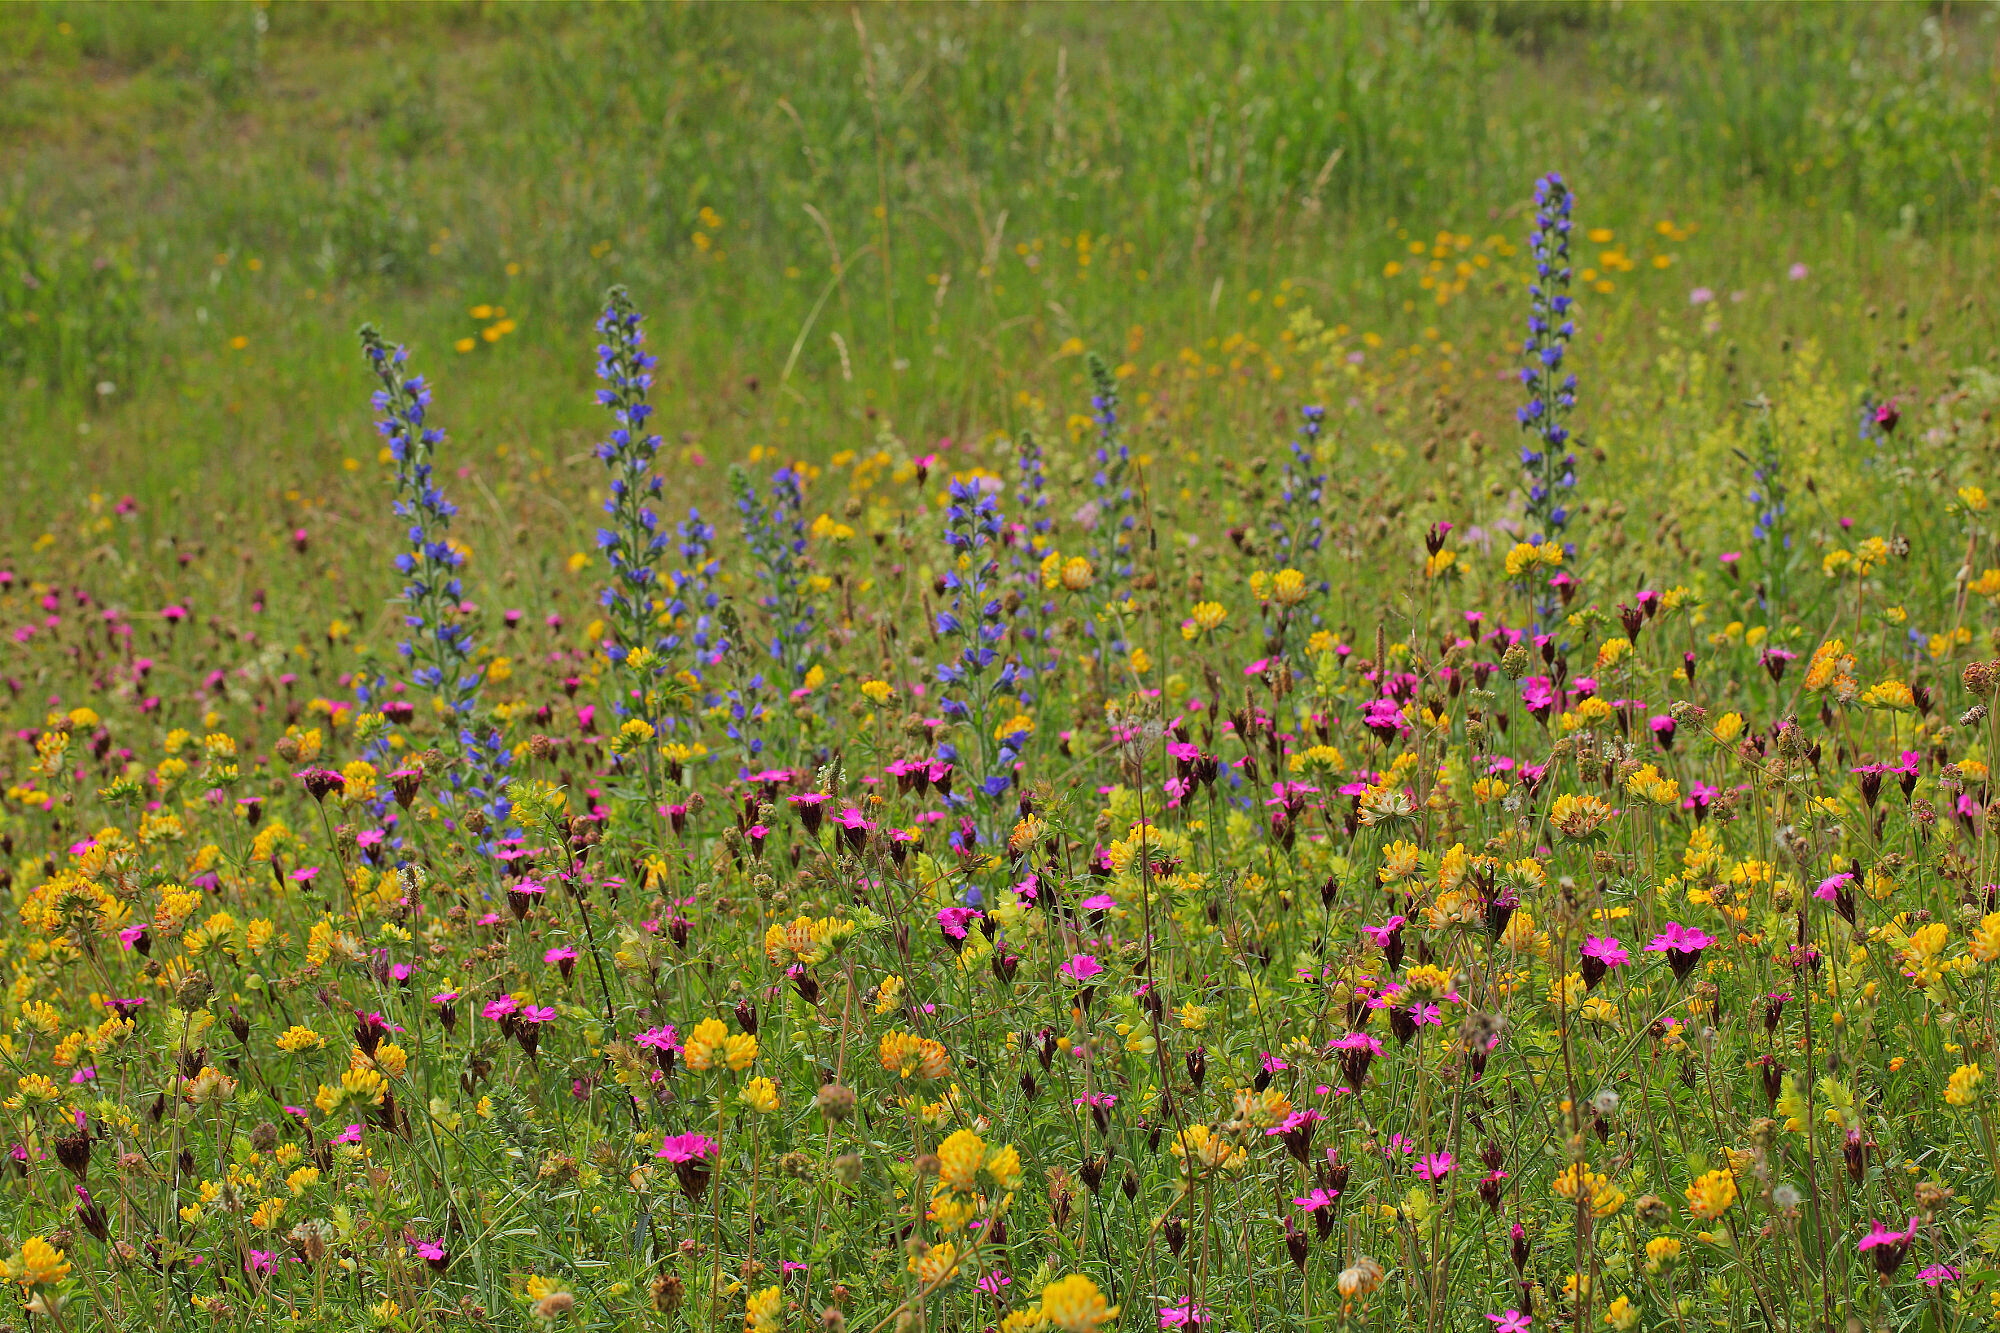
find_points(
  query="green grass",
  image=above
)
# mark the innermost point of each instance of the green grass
(279, 175)
(862, 237)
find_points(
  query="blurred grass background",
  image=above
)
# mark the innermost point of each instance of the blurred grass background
(896, 223)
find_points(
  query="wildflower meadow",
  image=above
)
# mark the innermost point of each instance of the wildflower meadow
(1005, 668)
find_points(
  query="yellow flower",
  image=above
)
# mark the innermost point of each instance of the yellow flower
(1077, 573)
(704, 1045)
(937, 1265)
(1661, 1250)
(39, 1263)
(1075, 1305)
(1205, 616)
(1288, 589)
(1004, 1165)
(879, 692)
(740, 1050)
(764, 1312)
(1711, 1196)
(760, 1095)
(1579, 1180)
(298, 1040)
(959, 1159)
(1399, 862)
(1985, 945)
(1621, 1314)
(905, 1055)
(1964, 1079)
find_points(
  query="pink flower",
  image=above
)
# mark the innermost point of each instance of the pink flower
(1382, 934)
(1888, 1247)
(1434, 1166)
(952, 920)
(1081, 968)
(1606, 950)
(542, 1014)
(686, 1148)
(500, 1008)
(1682, 945)
(1513, 1321)
(1183, 1316)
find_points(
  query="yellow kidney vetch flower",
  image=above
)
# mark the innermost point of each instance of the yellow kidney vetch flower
(1073, 1304)
(1712, 1195)
(38, 1264)
(907, 1055)
(760, 1095)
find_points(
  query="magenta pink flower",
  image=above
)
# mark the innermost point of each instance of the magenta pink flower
(1081, 968)
(1682, 945)
(686, 1148)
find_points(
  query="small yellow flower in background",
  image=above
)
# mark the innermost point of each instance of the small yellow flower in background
(634, 733)
(937, 1265)
(879, 692)
(1985, 942)
(578, 562)
(760, 1095)
(1711, 1196)
(1621, 1314)
(1077, 573)
(1320, 756)
(1973, 498)
(1960, 1090)
(1661, 1250)
(1075, 1305)
(1204, 618)
(764, 1312)
(1578, 1180)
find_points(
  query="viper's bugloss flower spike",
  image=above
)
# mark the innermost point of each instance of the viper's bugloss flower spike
(441, 649)
(634, 537)
(1549, 459)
